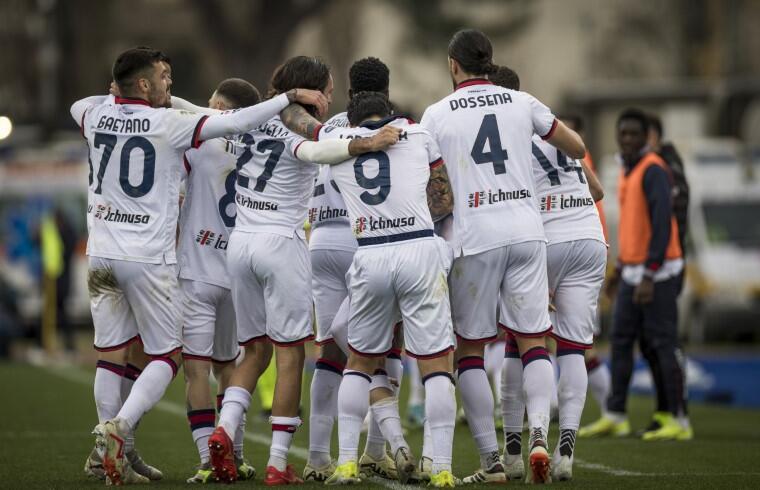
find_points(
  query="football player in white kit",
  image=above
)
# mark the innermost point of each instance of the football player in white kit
(398, 268)
(576, 259)
(209, 336)
(332, 245)
(269, 268)
(484, 133)
(132, 218)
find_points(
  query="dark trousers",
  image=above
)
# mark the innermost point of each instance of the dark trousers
(655, 326)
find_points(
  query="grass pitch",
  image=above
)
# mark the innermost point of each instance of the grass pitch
(48, 413)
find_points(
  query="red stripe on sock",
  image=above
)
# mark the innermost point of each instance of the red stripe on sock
(534, 354)
(284, 428)
(471, 362)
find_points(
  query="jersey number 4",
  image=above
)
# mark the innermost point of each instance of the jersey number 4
(108, 142)
(489, 133)
(275, 149)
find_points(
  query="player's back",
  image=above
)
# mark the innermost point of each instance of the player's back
(567, 208)
(484, 132)
(385, 191)
(208, 211)
(273, 186)
(135, 157)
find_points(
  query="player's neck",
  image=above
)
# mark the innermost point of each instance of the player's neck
(463, 77)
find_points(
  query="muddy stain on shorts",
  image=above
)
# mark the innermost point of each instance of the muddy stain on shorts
(101, 281)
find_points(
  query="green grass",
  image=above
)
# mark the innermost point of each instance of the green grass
(48, 413)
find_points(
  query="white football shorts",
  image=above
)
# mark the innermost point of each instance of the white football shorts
(208, 330)
(576, 272)
(271, 287)
(131, 300)
(511, 280)
(406, 278)
(328, 286)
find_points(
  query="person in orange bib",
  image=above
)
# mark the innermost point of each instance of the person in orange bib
(645, 282)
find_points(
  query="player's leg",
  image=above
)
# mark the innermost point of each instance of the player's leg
(474, 283)
(423, 298)
(250, 314)
(372, 304)
(199, 313)
(576, 289)
(661, 332)
(329, 289)
(287, 293)
(512, 409)
(159, 321)
(415, 407)
(528, 319)
(599, 380)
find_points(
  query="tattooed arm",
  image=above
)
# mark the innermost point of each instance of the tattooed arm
(296, 119)
(440, 197)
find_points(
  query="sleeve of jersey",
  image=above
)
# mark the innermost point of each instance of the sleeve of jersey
(544, 122)
(79, 109)
(434, 153)
(242, 121)
(328, 152)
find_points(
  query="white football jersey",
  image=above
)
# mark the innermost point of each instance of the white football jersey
(328, 216)
(135, 156)
(208, 212)
(385, 191)
(484, 132)
(567, 208)
(273, 186)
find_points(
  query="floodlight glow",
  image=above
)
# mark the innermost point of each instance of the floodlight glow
(6, 127)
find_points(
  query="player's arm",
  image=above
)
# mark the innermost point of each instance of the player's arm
(597, 191)
(184, 105)
(79, 107)
(440, 197)
(567, 140)
(249, 118)
(332, 152)
(298, 120)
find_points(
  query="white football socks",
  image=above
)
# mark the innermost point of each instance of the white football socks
(107, 389)
(353, 405)
(283, 429)
(324, 411)
(599, 382)
(147, 390)
(440, 416)
(538, 386)
(385, 412)
(512, 405)
(477, 399)
(234, 407)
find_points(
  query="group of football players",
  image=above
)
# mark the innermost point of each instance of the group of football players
(427, 237)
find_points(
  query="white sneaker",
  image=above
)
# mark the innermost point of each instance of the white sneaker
(318, 473)
(514, 467)
(406, 466)
(539, 459)
(93, 466)
(109, 441)
(562, 468)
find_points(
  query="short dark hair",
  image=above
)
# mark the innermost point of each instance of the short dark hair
(369, 75)
(575, 119)
(132, 62)
(473, 51)
(636, 115)
(656, 123)
(238, 92)
(364, 105)
(506, 77)
(300, 72)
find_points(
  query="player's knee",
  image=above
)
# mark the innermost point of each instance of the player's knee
(365, 364)
(332, 352)
(467, 348)
(196, 370)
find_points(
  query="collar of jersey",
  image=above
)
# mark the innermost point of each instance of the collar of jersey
(382, 122)
(131, 100)
(473, 81)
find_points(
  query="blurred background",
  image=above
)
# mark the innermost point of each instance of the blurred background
(694, 63)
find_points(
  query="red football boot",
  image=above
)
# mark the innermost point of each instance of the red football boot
(276, 477)
(222, 456)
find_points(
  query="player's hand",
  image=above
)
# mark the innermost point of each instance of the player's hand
(114, 89)
(644, 292)
(388, 136)
(309, 97)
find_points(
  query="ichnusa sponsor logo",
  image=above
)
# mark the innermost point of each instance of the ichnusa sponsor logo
(484, 198)
(554, 202)
(249, 203)
(106, 213)
(208, 238)
(364, 223)
(326, 213)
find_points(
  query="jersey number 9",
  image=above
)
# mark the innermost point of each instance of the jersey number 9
(381, 181)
